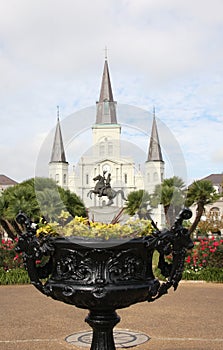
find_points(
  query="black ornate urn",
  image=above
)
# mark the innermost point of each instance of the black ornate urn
(103, 276)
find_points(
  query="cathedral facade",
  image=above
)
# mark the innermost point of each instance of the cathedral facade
(118, 171)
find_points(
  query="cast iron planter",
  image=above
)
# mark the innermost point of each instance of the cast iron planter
(103, 276)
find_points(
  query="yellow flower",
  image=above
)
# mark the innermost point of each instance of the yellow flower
(81, 226)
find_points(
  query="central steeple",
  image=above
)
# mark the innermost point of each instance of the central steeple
(106, 106)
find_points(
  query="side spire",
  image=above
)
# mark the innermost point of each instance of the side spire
(154, 153)
(58, 153)
(106, 106)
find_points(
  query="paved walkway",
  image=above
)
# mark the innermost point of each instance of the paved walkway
(190, 318)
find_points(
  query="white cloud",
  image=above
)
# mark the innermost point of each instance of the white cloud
(163, 53)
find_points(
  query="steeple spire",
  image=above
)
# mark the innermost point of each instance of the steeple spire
(154, 153)
(106, 106)
(58, 154)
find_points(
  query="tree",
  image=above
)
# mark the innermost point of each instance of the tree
(13, 199)
(200, 193)
(171, 194)
(36, 198)
(72, 202)
(136, 200)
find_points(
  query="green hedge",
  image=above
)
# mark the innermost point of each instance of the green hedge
(14, 276)
(208, 274)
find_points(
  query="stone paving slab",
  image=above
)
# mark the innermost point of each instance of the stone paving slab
(190, 318)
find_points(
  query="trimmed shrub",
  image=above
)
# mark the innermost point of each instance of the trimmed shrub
(14, 276)
(208, 274)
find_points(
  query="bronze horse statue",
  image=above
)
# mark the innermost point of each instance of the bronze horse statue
(103, 188)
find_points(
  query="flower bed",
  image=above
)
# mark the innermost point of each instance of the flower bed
(9, 259)
(207, 252)
(205, 261)
(11, 264)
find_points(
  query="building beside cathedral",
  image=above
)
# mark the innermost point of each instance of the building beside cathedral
(106, 157)
(6, 182)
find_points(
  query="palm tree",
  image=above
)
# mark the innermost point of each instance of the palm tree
(14, 199)
(21, 197)
(136, 200)
(4, 223)
(170, 193)
(50, 204)
(200, 193)
(72, 202)
(36, 198)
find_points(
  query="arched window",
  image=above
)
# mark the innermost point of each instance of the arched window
(65, 179)
(215, 213)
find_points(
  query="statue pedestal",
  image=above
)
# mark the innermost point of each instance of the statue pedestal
(105, 214)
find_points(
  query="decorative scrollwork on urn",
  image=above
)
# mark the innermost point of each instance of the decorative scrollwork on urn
(99, 266)
(125, 267)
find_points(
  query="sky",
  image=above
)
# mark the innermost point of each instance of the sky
(165, 54)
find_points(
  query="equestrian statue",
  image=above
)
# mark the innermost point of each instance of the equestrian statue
(103, 188)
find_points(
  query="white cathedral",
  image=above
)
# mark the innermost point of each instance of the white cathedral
(106, 157)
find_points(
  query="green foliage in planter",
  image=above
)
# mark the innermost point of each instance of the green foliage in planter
(14, 276)
(80, 226)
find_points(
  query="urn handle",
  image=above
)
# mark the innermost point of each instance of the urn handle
(175, 241)
(33, 249)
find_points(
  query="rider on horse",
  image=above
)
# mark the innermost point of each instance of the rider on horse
(103, 188)
(105, 183)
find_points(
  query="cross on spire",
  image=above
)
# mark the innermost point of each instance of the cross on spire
(58, 112)
(106, 53)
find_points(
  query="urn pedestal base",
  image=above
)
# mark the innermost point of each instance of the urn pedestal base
(102, 324)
